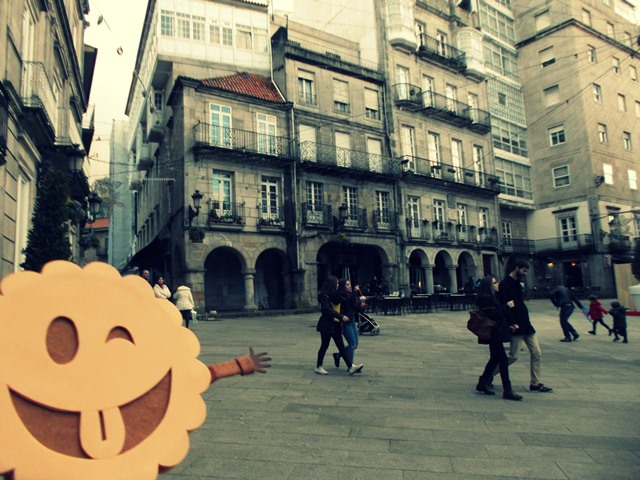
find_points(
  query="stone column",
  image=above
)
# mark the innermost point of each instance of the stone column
(428, 278)
(249, 293)
(453, 282)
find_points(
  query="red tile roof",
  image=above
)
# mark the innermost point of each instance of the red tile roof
(247, 84)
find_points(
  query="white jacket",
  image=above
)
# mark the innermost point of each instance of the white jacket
(162, 291)
(183, 298)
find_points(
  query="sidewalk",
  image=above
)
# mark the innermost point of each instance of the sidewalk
(413, 413)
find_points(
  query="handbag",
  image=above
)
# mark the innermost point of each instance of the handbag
(480, 324)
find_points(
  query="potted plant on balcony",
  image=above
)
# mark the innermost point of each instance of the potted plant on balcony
(213, 217)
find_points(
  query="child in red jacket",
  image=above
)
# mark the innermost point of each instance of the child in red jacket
(596, 314)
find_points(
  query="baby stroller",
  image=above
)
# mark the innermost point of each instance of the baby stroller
(367, 325)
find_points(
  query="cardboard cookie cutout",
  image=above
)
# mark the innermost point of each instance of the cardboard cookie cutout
(98, 378)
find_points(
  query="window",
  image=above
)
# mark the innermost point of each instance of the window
(551, 95)
(622, 103)
(497, 23)
(509, 137)
(462, 215)
(483, 217)
(626, 140)
(371, 104)
(633, 73)
(374, 154)
(409, 146)
(428, 89)
(413, 215)
(611, 30)
(243, 37)
(507, 233)
(260, 42)
(184, 25)
(269, 202)
(439, 210)
(167, 23)
(502, 99)
(457, 159)
(443, 44)
(561, 177)
(547, 57)
(557, 135)
(616, 65)
(637, 108)
(597, 93)
(633, 179)
(267, 140)
(158, 100)
(603, 136)
(626, 39)
(221, 198)
(515, 178)
(350, 199)
(221, 134)
(315, 202)
(478, 165)
(586, 16)
(308, 143)
(343, 149)
(403, 87)
(568, 228)
(591, 54)
(607, 170)
(340, 96)
(382, 209)
(543, 20)
(451, 94)
(433, 153)
(198, 28)
(306, 87)
(501, 59)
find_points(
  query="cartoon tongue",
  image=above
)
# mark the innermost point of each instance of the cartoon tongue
(102, 433)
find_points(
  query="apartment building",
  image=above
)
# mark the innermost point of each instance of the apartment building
(579, 64)
(45, 119)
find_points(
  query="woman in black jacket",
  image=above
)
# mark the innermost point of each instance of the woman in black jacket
(487, 302)
(329, 326)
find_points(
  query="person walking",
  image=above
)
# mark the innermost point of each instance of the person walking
(329, 326)
(349, 305)
(184, 303)
(511, 290)
(487, 301)
(562, 298)
(596, 314)
(161, 290)
(619, 314)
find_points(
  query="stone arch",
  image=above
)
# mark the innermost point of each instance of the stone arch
(272, 280)
(420, 279)
(466, 268)
(444, 271)
(224, 286)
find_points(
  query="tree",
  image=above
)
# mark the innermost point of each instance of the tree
(48, 238)
(107, 190)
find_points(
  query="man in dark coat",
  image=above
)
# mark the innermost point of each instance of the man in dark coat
(562, 298)
(511, 290)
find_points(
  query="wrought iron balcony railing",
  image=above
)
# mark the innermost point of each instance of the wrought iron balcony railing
(225, 213)
(352, 159)
(246, 141)
(441, 51)
(452, 173)
(385, 221)
(555, 244)
(37, 91)
(407, 95)
(317, 215)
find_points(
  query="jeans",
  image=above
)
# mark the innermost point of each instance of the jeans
(325, 339)
(350, 332)
(497, 360)
(534, 350)
(567, 329)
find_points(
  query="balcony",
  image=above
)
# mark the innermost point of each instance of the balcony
(418, 230)
(618, 243)
(356, 219)
(448, 56)
(480, 120)
(317, 216)
(225, 216)
(446, 109)
(40, 106)
(145, 160)
(385, 221)
(466, 235)
(353, 162)
(270, 219)
(407, 96)
(209, 136)
(442, 232)
(422, 169)
(568, 243)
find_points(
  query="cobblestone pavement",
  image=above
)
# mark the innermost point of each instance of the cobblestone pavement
(413, 412)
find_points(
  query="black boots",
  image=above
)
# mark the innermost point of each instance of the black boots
(485, 387)
(511, 395)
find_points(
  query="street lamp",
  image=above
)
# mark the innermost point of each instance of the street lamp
(195, 211)
(94, 206)
(76, 159)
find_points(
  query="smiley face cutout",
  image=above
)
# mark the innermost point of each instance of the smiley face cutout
(98, 379)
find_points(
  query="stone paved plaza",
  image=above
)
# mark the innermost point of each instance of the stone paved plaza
(413, 412)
